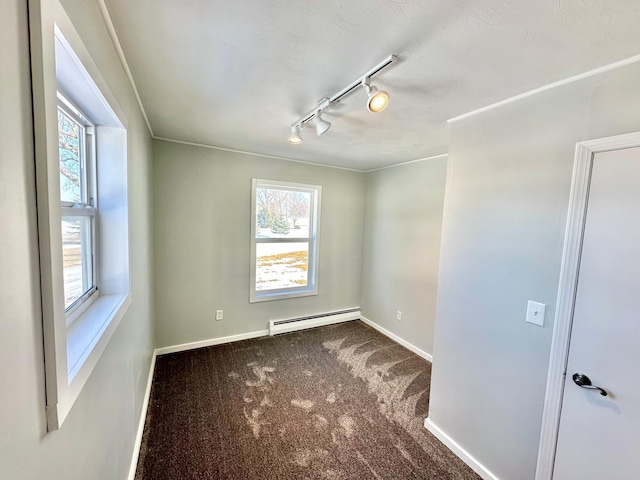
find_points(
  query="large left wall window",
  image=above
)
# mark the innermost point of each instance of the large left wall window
(81, 184)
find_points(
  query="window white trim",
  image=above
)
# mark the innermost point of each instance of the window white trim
(313, 240)
(61, 62)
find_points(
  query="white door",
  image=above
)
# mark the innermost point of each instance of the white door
(599, 436)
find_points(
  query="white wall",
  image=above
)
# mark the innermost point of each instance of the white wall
(202, 239)
(402, 228)
(508, 182)
(96, 440)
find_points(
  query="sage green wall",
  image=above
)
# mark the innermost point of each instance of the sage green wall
(202, 200)
(96, 440)
(508, 184)
(402, 228)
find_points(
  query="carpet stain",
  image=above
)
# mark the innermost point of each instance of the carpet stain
(304, 404)
(348, 425)
(345, 432)
(254, 422)
(333, 475)
(263, 376)
(304, 457)
(320, 422)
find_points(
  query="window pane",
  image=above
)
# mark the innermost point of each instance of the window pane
(69, 148)
(281, 265)
(282, 213)
(76, 257)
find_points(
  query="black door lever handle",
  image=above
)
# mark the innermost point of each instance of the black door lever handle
(583, 381)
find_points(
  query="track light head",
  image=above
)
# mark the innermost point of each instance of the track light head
(321, 125)
(378, 99)
(295, 138)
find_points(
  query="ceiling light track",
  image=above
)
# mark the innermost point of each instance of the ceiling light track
(377, 101)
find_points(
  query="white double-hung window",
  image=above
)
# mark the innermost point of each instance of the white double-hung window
(82, 206)
(76, 151)
(285, 219)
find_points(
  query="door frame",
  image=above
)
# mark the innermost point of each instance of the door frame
(561, 336)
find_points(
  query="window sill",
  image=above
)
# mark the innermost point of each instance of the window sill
(267, 297)
(88, 330)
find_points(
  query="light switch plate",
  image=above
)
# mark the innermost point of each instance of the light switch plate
(535, 313)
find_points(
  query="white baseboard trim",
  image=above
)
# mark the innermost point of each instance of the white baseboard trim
(450, 443)
(212, 341)
(143, 416)
(401, 341)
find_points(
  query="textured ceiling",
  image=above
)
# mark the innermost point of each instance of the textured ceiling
(237, 73)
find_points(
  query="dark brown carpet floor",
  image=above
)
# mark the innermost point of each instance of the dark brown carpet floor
(336, 402)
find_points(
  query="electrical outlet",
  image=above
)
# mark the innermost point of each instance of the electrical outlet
(398, 315)
(219, 314)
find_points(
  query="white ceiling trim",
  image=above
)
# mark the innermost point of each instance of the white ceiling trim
(433, 157)
(123, 59)
(566, 81)
(274, 157)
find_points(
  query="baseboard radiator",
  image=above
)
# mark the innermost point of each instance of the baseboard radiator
(293, 324)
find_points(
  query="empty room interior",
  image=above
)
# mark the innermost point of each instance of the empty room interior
(339, 239)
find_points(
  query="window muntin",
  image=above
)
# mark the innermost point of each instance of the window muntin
(285, 219)
(77, 202)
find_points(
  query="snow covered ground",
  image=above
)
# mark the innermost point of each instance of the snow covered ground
(281, 266)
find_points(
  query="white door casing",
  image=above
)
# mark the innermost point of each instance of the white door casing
(585, 153)
(599, 436)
